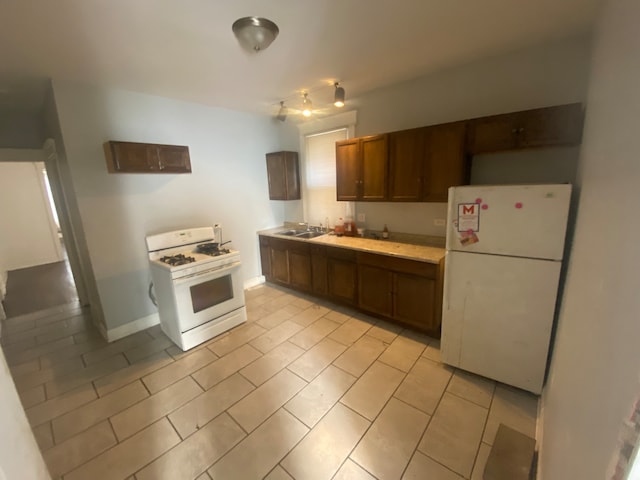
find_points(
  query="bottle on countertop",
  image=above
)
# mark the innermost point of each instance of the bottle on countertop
(339, 227)
(385, 232)
(349, 227)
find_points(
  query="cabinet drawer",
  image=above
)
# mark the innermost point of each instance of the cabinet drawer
(297, 246)
(264, 241)
(318, 250)
(341, 254)
(403, 265)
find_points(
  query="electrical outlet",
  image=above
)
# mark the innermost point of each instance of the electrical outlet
(439, 222)
(361, 217)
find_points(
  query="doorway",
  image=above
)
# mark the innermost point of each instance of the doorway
(33, 249)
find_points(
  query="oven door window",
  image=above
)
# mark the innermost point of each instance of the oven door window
(211, 293)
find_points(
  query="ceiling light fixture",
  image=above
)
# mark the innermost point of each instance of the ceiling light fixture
(307, 106)
(338, 97)
(254, 33)
(282, 113)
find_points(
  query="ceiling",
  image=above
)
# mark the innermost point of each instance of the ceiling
(185, 49)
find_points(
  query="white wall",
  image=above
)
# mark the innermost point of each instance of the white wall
(594, 377)
(20, 457)
(228, 184)
(29, 236)
(547, 75)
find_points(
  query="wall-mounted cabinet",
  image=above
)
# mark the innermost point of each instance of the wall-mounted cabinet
(361, 168)
(541, 127)
(425, 162)
(133, 157)
(283, 175)
(421, 164)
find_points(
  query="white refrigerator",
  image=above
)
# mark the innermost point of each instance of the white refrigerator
(504, 254)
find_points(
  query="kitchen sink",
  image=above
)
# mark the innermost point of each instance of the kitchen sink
(300, 233)
(309, 234)
(291, 233)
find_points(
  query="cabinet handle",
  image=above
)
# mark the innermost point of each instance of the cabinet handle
(520, 130)
(514, 130)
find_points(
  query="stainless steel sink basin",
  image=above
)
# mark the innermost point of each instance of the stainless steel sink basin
(300, 233)
(309, 234)
(291, 233)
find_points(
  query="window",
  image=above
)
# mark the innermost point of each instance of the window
(320, 177)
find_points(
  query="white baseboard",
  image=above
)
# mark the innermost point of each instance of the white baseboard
(539, 427)
(254, 282)
(132, 327)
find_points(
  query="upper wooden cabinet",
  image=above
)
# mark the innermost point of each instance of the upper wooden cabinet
(361, 168)
(406, 165)
(446, 162)
(425, 162)
(541, 127)
(132, 157)
(284, 176)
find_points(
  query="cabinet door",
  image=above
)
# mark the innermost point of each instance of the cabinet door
(319, 270)
(406, 158)
(130, 157)
(414, 299)
(347, 169)
(173, 159)
(341, 279)
(292, 176)
(493, 134)
(446, 164)
(279, 262)
(561, 125)
(265, 257)
(299, 266)
(276, 176)
(373, 182)
(375, 290)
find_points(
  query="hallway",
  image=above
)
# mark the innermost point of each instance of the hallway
(39, 288)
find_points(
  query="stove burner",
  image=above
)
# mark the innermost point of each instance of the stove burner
(218, 252)
(178, 259)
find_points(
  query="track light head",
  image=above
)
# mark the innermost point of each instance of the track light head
(307, 106)
(338, 97)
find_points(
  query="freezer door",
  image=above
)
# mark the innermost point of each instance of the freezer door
(497, 316)
(515, 220)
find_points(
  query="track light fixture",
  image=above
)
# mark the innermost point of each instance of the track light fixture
(338, 97)
(282, 113)
(307, 106)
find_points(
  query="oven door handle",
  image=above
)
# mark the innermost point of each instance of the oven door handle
(216, 270)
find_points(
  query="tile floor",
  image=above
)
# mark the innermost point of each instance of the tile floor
(303, 390)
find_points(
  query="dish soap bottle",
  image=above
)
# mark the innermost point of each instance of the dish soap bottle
(385, 232)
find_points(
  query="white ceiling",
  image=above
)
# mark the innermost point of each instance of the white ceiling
(185, 48)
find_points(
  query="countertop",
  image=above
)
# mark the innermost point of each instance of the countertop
(421, 253)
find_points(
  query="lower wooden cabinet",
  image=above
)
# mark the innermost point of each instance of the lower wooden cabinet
(319, 270)
(375, 292)
(279, 260)
(400, 290)
(300, 266)
(342, 275)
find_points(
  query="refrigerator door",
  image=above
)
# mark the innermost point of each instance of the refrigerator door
(516, 220)
(497, 316)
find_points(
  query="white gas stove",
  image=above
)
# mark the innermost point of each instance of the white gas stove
(197, 283)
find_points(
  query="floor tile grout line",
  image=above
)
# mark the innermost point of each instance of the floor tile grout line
(435, 410)
(94, 424)
(468, 400)
(484, 427)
